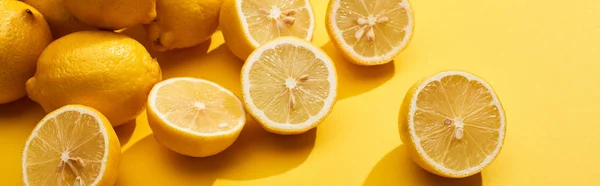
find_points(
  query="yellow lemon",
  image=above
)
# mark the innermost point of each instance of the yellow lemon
(112, 14)
(23, 36)
(104, 70)
(60, 20)
(370, 32)
(247, 24)
(183, 23)
(194, 117)
(289, 85)
(453, 124)
(74, 145)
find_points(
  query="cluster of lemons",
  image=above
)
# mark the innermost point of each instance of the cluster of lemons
(68, 56)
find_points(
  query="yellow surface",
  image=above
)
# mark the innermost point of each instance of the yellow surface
(541, 56)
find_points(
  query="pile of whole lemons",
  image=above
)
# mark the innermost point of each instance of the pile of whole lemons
(70, 57)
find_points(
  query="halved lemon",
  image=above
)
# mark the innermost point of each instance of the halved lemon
(453, 124)
(194, 117)
(73, 145)
(289, 85)
(247, 24)
(370, 32)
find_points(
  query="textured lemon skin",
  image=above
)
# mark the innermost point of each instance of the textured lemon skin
(114, 146)
(60, 20)
(104, 70)
(23, 37)
(112, 14)
(337, 41)
(183, 23)
(409, 141)
(187, 143)
(233, 30)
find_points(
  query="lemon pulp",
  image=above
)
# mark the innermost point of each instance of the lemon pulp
(270, 19)
(198, 106)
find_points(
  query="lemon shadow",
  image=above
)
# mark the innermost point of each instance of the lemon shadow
(22, 114)
(138, 33)
(218, 65)
(355, 79)
(125, 131)
(397, 168)
(255, 154)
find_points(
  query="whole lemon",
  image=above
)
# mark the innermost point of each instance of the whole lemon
(112, 14)
(183, 23)
(60, 20)
(24, 34)
(103, 70)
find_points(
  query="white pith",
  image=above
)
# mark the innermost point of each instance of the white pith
(328, 102)
(240, 14)
(338, 35)
(152, 106)
(44, 121)
(417, 140)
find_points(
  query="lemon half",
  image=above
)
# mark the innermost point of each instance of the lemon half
(453, 124)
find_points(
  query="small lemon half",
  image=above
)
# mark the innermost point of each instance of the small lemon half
(195, 117)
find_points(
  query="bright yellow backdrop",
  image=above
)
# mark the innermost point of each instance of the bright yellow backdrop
(541, 56)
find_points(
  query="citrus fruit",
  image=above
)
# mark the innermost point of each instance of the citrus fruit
(289, 85)
(74, 145)
(194, 117)
(104, 70)
(369, 32)
(183, 23)
(112, 14)
(24, 34)
(247, 24)
(453, 124)
(60, 20)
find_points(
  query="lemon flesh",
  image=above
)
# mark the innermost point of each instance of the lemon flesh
(455, 124)
(251, 23)
(73, 145)
(270, 19)
(370, 32)
(195, 117)
(289, 85)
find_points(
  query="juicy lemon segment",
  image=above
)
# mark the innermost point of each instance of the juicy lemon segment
(289, 85)
(270, 19)
(370, 32)
(455, 123)
(251, 23)
(195, 117)
(72, 145)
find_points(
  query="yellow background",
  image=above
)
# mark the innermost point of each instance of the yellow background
(541, 56)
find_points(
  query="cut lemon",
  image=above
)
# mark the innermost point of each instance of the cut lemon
(289, 85)
(247, 24)
(74, 145)
(453, 124)
(194, 117)
(370, 32)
